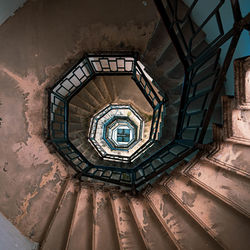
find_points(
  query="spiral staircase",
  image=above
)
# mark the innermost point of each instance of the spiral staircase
(197, 200)
(203, 204)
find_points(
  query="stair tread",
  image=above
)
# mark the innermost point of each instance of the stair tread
(101, 85)
(83, 101)
(94, 94)
(129, 236)
(104, 230)
(153, 232)
(157, 43)
(81, 229)
(214, 214)
(110, 88)
(235, 156)
(228, 184)
(76, 109)
(58, 230)
(187, 233)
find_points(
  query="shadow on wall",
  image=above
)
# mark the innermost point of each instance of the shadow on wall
(243, 48)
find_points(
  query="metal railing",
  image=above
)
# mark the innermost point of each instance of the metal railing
(69, 86)
(203, 80)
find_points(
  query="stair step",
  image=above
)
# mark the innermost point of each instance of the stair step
(76, 134)
(83, 126)
(153, 233)
(159, 41)
(98, 89)
(100, 83)
(115, 87)
(58, 230)
(129, 236)
(94, 94)
(169, 58)
(186, 232)
(74, 127)
(228, 186)
(104, 229)
(74, 118)
(84, 101)
(110, 87)
(76, 109)
(177, 72)
(234, 157)
(77, 142)
(219, 219)
(81, 228)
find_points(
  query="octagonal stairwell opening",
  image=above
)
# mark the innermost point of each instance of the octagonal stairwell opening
(117, 132)
(123, 99)
(91, 85)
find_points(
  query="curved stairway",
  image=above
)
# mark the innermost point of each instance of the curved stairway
(204, 204)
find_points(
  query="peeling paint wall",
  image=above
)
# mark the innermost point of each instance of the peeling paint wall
(7, 8)
(12, 239)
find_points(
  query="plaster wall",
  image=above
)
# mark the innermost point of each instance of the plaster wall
(36, 49)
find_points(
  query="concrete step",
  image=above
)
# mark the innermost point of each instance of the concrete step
(169, 58)
(74, 127)
(157, 44)
(127, 230)
(160, 39)
(101, 85)
(185, 231)
(110, 86)
(234, 157)
(78, 110)
(76, 134)
(97, 85)
(56, 237)
(86, 149)
(104, 229)
(153, 233)
(76, 118)
(80, 235)
(218, 218)
(77, 142)
(95, 95)
(230, 187)
(84, 101)
(83, 126)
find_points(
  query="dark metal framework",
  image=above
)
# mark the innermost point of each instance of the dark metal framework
(203, 80)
